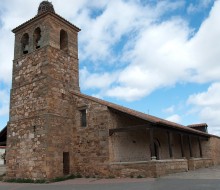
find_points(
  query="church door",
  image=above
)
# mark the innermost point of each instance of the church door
(66, 163)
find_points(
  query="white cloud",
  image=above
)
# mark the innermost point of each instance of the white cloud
(158, 58)
(163, 54)
(198, 6)
(4, 103)
(174, 118)
(96, 80)
(169, 109)
(207, 105)
(125, 93)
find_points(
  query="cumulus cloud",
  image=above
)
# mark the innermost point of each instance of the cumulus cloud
(96, 80)
(4, 103)
(207, 105)
(167, 53)
(169, 109)
(174, 118)
(198, 6)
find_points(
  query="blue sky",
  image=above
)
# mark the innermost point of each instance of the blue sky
(159, 57)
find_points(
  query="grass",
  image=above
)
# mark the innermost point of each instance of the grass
(19, 180)
(111, 177)
(139, 176)
(63, 178)
(78, 175)
(57, 179)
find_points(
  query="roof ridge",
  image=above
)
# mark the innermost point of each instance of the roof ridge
(42, 15)
(141, 115)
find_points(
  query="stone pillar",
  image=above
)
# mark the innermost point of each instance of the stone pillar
(152, 149)
(169, 144)
(181, 146)
(200, 147)
(190, 147)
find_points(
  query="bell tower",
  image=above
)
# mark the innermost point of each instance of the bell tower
(45, 72)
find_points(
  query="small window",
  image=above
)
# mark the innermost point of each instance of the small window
(63, 41)
(25, 43)
(37, 38)
(83, 117)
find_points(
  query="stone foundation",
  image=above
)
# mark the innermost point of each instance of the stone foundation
(148, 168)
(195, 163)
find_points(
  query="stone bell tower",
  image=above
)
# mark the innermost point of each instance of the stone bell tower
(45, 72)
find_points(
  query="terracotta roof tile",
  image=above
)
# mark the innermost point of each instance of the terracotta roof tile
(198, 125)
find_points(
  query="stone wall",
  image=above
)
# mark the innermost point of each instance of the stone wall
(196, 163)
(212, 150)
(26, 145)
(148, 168)
(91, 143)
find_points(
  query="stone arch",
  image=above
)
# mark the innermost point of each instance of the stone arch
(157, 148)
(37, 38)
(63, 40)
(25, 43)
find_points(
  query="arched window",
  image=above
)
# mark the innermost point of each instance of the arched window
(63, 40)
(25, 43)
(37, 38)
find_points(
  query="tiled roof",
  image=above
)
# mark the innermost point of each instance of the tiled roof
(37, 17)
(3, 132)
(147, 117)
(198, 125)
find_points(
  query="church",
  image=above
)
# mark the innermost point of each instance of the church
(55, 130)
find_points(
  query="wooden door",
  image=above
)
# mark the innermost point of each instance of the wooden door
(66, 163)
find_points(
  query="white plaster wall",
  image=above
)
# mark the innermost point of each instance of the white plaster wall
(130, 146)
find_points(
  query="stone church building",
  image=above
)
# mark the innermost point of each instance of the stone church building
(55, 130)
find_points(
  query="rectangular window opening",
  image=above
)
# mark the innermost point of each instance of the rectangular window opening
(83, 117)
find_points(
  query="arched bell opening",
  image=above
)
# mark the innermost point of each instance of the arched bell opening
(25, 43)
(37, 38)
(64, 40)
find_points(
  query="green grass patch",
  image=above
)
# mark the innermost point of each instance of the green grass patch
(111, 177)
(19, 180)
(78, 175)
(63, 178)
(57, 179)
(139, 176)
